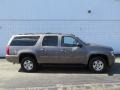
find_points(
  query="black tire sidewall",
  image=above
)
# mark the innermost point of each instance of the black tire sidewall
(32, 60)
(95, 59)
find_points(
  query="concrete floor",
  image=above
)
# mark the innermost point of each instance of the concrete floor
(12, 77)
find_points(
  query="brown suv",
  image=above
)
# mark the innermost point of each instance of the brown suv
(55, 48)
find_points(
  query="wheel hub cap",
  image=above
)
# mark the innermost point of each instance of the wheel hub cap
(28, 65)
(98, 65)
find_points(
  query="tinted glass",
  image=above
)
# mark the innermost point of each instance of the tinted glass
(68, 41)
(24, 41)
(50, 41)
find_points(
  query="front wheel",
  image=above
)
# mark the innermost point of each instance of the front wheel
(28, 64)
(98, 64)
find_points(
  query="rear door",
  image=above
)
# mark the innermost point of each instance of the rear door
(49, 50)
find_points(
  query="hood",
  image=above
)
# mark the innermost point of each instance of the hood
(99, 47)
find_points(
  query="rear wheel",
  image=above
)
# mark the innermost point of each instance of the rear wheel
(29, 64)
(97, 64)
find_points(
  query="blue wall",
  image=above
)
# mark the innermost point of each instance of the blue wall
(60, 9)
(101, 26)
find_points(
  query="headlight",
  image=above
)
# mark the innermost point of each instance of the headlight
(112, 53)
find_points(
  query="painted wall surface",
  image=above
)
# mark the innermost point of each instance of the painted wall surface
(101, 26)
(60, 9)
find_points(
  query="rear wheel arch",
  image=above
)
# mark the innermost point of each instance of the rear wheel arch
(23, 55)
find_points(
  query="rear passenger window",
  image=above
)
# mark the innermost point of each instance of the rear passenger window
(50, 41)
(24, 41)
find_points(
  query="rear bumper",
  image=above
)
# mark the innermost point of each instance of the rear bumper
(12, 58)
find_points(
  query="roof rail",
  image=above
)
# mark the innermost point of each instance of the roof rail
(29, 33)
(26, 33)
(39, 33)
(70, 34)
(52, 33)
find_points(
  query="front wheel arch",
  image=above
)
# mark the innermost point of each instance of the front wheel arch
(99, 55)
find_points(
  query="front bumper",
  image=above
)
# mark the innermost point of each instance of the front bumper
(111, 59)
(12, 58)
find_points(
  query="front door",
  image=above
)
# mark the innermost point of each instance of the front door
(70, 52)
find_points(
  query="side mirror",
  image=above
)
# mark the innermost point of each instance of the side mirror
(78, 45)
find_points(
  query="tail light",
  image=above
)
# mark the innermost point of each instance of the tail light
(7, 50)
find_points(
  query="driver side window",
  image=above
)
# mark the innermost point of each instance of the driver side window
(68, 41)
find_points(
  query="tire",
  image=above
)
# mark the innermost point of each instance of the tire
(28, 64)
(98, 64)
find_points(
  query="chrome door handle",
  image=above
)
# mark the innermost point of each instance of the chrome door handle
(62, 50)
(43, 50)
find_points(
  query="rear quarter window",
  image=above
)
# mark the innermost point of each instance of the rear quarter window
(24, 41)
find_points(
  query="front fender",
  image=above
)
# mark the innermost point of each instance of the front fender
(96, 53)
